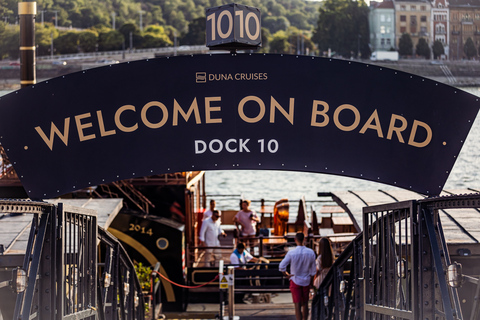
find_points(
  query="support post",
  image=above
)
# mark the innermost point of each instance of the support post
(27, 12)
(231, 293)
(222, 291)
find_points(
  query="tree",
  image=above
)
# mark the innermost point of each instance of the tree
(155, 36)
(196, 32)
(280, 44)
(87, 40)
(438, 49)
(422, 48)
(109, 41)
(66, 43)
(469, 49)
(405, 45)
(343, 27)
(274, 24)
(130, 28)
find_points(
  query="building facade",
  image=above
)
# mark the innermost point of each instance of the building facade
(413, 17)
(440, 24)
(464, 24)
(381, 22)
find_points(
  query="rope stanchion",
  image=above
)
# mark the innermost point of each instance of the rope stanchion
(183, 286)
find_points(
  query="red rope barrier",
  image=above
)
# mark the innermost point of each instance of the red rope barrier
(182, 286)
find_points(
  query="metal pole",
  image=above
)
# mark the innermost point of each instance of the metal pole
(222, 291)
(27, 12)
(51, 45)
(231, 293)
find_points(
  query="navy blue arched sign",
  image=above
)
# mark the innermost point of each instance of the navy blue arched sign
(213, 112)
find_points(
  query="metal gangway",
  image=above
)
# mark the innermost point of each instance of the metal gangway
(72, 269)
(399, 267)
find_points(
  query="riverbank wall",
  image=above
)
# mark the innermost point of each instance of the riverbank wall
(454, 73)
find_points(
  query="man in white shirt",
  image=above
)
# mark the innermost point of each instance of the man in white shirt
(208, 237)
(209, 211)
(302, 270)
(240, 256)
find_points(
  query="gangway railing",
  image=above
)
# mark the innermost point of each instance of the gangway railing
(72, 269)
(397, 268)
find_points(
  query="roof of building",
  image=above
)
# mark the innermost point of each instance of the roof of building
(385, 5)
(464, 3)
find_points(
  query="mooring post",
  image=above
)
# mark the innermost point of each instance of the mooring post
(27, 12)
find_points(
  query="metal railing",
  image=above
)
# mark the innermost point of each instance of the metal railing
(60, 278)
(396, 268)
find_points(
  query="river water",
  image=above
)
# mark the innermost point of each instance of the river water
(275, 185)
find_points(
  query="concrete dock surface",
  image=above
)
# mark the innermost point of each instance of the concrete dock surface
(279, 307)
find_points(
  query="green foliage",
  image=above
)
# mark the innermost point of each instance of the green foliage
(67, 42)
(469, 49)
(343, 27)
(196, 32)
(155, 36)
(9, 47)
(274, 24)
(143, 274)
(181, 19)
(422, 48)
(405, 45)
(87, 41)
(279, 43)
(110, 41)
(438, 49)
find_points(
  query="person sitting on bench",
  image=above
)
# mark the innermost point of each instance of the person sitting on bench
(240, 256)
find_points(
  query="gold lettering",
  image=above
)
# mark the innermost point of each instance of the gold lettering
(376, 126)
(54, 130)
(323, 113)
(81, 127)
(337, 121)
(101, 124)
(178, 109)
(411, 141)
(209, 109)
(260, 104)
(144, 114)
(117, 119)
(397, 130)
(275, 104)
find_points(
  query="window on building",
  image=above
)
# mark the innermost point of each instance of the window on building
(455, 16)
(423, 30)
(403, 30)
(382, 42)
(389, 42)
(423, 8)
(423, 18)
(413, 29)
(382, 18)
(389, 18)
(477, 16)
(413, 20)
(382, 29)
(440, 28)
(403, 8)
(413, 8)
(403, 18)
(440, 5)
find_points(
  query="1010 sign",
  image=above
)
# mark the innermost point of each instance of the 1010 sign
(233, 26)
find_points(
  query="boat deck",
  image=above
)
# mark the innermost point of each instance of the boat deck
(460, 225)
